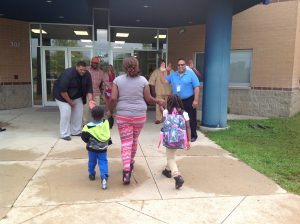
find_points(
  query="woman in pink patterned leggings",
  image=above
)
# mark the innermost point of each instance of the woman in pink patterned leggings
(130, 92)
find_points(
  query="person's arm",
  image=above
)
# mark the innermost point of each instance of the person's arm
(85, 136)
(196, 97)
(89, 93)
(152, 90)
(199, 75)
(163, 77)
(106, 81)
(151, 100)
(92, 103)
(66, 97)
(188, 131)
(113, 99)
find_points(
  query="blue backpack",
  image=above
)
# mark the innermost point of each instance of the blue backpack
(174, 131)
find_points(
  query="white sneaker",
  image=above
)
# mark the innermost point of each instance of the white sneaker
(104, 184)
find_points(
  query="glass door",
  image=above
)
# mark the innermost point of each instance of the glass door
(54, 62)
(148, 61)
(118, 57)
(79, 54)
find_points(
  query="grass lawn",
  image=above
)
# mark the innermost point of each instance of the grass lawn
(270, 146)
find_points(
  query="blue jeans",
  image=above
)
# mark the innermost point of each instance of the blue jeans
(101, 157)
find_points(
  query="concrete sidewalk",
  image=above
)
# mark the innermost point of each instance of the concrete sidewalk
(44, 179)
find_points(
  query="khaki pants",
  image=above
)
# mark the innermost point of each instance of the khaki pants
(87, 111)
(158, 113)
(171, 162)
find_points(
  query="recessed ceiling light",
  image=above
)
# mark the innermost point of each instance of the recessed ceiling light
(81, 33)
(49, 1)
(138, 20)
(119, 42)
(38, 31)
(122, 34)
(146, 6)
(161, 36)
(61, 17)
(117, 47)
(86, 40)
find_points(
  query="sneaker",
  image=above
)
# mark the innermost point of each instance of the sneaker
(126, 177)
(67, 138)
(178, 181)
(167, 173)
(104, 184)
(193, 139)
(92, 177)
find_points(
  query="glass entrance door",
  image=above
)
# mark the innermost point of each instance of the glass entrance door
(54, 62)
(118, 57)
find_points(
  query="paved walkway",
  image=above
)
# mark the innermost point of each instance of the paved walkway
(43, 179)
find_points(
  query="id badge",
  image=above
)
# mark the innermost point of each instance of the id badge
(178, 88)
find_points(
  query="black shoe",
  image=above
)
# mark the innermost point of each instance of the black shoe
(67, 138)
(77, 134)
(178, 181)
(131, 166)
(92, 177)
(126, 177)
(193, 139)
(167, 173)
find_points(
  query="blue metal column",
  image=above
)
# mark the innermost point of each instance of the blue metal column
(217, 64)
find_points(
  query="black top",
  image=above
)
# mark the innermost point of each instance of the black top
(74, 84)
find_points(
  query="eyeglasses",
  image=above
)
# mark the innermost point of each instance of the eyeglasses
(181, 65)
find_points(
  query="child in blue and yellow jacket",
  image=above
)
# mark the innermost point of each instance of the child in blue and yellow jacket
(97, 136)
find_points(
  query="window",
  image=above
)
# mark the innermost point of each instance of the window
(240, 67)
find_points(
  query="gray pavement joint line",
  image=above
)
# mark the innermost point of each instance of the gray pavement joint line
(42, 162)
(142, 212)
(150, 171)
(234, 209)
(18, 115)
(39, 214)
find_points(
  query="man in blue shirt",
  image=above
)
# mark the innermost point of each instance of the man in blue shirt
(185, 84)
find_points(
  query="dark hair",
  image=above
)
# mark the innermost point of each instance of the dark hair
(180, 59)
(81, 63)
(97, 112)
(174, 102)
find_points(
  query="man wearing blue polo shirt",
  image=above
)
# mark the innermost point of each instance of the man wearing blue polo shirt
(185, 84)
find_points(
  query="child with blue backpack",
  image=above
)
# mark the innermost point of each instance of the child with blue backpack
(175, 134)
(97, 136)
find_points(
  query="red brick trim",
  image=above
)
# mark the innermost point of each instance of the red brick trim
(274, 88)
(14, 83)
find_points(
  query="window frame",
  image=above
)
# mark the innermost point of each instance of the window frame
(238, 85)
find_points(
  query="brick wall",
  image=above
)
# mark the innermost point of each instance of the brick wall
(15, 74)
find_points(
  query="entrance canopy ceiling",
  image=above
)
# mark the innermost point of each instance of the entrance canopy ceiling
(136, 13)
